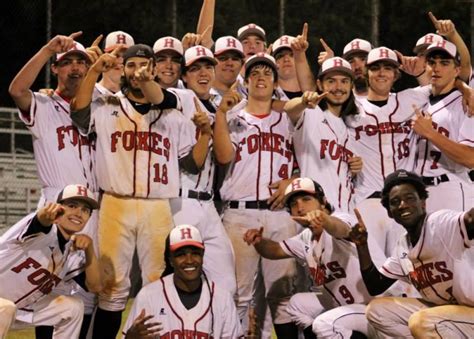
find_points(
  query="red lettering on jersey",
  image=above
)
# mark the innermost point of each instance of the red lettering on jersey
(39, 276)
(71, 133)
(383, 128)
(252, 143)
(28, 263)
(142, 141)
(186, 233)
(334, 150)
(337, 63)
(200, 51)
(429, 274)
(231, 43)
(355, 45)
(383, 53)
(266, 142)
(121, 39)
(440, 129)
(429, 39)
(169, 43)
(337, 271)
(284, 40)
(81, 190)
(186, 334)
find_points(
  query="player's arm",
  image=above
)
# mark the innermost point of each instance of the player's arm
(374, 281)
(150, 88)
(333, 225)
(223, 147)
(303, 72)
(295, 107)
(265, 247)
(44, 219)
(94, 281)
(469, 222)
(20, 86)
(206, 22)
(457, 152)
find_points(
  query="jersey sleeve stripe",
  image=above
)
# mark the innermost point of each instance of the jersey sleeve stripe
(287, 249)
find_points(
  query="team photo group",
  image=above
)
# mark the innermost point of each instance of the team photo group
(242, 194)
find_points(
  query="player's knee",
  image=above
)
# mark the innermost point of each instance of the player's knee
(375, 311)
(7, 309)
(418, 323)
(322, 326)
(69, 307)
(297, 311)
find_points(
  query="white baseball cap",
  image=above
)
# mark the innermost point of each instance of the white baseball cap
(382, 54)
(116, 39)
(251, 29)
(299, 185)
(228, 43)
(282, 42)
(425, 41)
(185, 235)
(261, 58)
(168, 43)
(77, 48)
(78, 192)
(336, 64)
(356, 46)
(444, 46)
(196, 53)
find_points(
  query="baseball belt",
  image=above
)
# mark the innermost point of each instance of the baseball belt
(256, 205)
(196, 195)
(433, 181)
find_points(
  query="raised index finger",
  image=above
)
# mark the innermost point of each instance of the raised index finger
(304, 34)
(197, 105)
(359, 218)
(433, 19)
(74, 35)
(97, 41)
(325, 45)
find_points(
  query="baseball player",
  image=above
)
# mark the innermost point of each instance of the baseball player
(184, 303)
(257, 138)
(355, 52)
(445, 134)
(43, 257)
(142, 141)
(169, 55)
(430, 255)
(324, 133)
(338, 289)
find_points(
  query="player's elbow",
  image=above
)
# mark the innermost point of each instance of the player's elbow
(16, 91)
(225, 157)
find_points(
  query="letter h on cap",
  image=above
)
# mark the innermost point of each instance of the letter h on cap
(81, 190)
(169, 43)
(441, 44)
(355, 45)
(383, 53)
(231, 43)
(185, 233)
(429, 39)
(337, 63)
(284, 40)
(200, 51)
(121, 39)
(296, 184)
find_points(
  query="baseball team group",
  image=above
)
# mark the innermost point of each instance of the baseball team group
(258, 197)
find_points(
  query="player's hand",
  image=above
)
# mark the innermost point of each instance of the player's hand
(229, 100)
(94, 50)
(326, 54)
(300, 43)
(145, 73)
(201, 119)
(193, 39)
(311, 99)
(422, 123)
(105, 62)
(140, 329)
(355, 164)
(316, 218)
(443, 27)
(468, 100)
(358, 233)
(276, 199)
(48, 214)
(81, 242)
(253, 236)
(62, 43)
(414, 65)
(47, 91)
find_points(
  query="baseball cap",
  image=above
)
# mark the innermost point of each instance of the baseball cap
(78, 192)
(299, 185)
(116, 39)
(282, 42)
(402, 177)
(261, 58)
(251, 29)
(382, 54)
(336, 64)
(443, 46)
(196, 53)
(168, 43)
(139, 50)
(76, 48)
(356, 46)
(185, 235)
(228, 43)
(425, 41)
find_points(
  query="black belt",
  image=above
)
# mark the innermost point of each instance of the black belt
(197, 195)
(433, 181)
(471, 175)
(375, 195)
(256, 205)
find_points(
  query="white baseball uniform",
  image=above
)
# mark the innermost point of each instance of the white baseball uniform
(451, 186)
(137, 168)
(323, 147)
(214, 316)
(196, 207)
(436, 265)
(36, 274)
(263, 155)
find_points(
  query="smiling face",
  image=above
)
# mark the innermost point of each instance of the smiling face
(406, 207)
(252, 44)
(302, 203)
(187, 264)
(76, 215)
(70, 70)
(338, 86)
(132, 65)
(228, 67)
(381, 77)
(261, 82)
(199, 77)
(168, 68)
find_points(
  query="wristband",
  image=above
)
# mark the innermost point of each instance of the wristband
(419, 75)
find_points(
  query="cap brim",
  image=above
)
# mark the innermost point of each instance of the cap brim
(420, 48)
(341, 69)
(387, 60)
(91, 202)
(289, 195)
(260, 60)
(279, 48)
(79, 52)
(438, 49)
(186, 243)
(168, 50)
(241, 54)
(212, 60)
(354, 51)
(252, 31)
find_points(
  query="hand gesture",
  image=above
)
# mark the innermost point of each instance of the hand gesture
(316, 218)
(414, 66)
(141, 330)
(312, 99)
(355, 164)
(145, 73)
(94, 50)
(62, 43)
(468, 100)
(48, 214)
(229, 100)
(422, 123)
(253, 236)
(81, 242)
(326, 54)
(105, 62)
(443, 27)
(192, 39)
(358, 233)
(300, 43)
(276, 199)
(200, 119)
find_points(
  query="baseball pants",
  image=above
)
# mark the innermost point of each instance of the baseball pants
(7, 316)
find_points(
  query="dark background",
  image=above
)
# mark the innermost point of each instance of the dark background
(401, 23)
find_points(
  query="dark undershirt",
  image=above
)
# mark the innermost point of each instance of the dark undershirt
(189, 299)
(209, 106)
(376, 282)
(434, 99)
(292, 95)
(169, 101)
(379, 103)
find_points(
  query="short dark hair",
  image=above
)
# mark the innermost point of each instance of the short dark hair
(320, 198)
(275, 73)
(400, 177)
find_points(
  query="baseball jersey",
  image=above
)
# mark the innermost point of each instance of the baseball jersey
(137, 154)
(434, 263)
(449, 120)
(32, 265)
(263, 154)
(381, 137)
(323, 148)
(62, 154)
(214, 316)
(333, 264)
